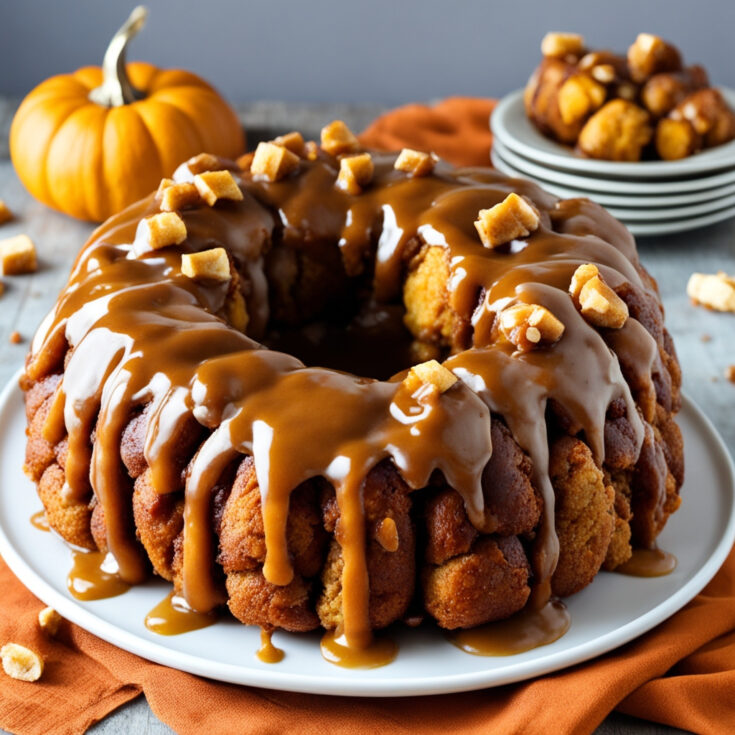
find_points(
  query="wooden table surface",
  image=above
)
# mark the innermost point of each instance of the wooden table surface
(670, 259)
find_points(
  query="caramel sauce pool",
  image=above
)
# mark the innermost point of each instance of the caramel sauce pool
(39, 521)
(268, 653)
(528, 629)
(380, 652)
(172, 616)
(648, 563)
(94, 576)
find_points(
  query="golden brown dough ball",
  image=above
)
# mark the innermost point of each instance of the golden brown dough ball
(617, 132)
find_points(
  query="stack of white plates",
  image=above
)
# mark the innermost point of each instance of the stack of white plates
(651, 198)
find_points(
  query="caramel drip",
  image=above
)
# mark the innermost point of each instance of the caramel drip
(268, 653)
(39, 521)
(94, 576)
(530, 628)
(142, 335)
(380, 651)
(172, 616)
(648, 563)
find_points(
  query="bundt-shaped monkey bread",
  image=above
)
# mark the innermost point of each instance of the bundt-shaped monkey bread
(492, 411)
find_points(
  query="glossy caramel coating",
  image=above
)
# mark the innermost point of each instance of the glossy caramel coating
(249, 479)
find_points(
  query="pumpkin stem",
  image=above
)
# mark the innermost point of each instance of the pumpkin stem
(116, 89)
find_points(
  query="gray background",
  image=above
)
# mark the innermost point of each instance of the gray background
(387, 51)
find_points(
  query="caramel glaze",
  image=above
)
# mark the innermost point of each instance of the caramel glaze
(39, 521)
(338, 650)
(530, 628)
(172, 616)
(268, 653)
(648, 563)
(140, 333)
(94, 576)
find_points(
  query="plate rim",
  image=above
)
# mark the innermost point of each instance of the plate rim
(639, 228)
(386, 686)
(714, 159)
(635, 186)
(643, 201)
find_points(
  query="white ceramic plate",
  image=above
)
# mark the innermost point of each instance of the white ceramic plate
(655, 226)
(635, 200)
(613, 610)
(512, 127)
(605, 184)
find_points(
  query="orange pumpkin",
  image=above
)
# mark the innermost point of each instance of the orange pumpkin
(92, 142)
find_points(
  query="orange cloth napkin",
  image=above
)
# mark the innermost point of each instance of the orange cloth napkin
(681, 674)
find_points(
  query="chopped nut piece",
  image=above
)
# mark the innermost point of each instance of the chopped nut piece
(49, 620)
(292, 141)
(649, 55)
(601, 306)
(713, 291)
(337, 138)
(528, 326)
(203, 162)
(706, 338)
(5, 214)
(561, 45)
(21, 663)
(578, 97)
(15, 337)
(210, 264)
(514, 217)
(160, 231)
(18, 255)
(730, 373)
(214, 185)
(415, 163)
(246, 161)
(387, 534)
(583, 274)
(273, 162)
(177, 196)
(431, 373)
(355, 173)
(311, 150)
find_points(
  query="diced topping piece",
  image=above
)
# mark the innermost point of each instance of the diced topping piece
(597, 302)
(730, 373)
(21, 663)
(273, 162)
(18, 255)
(15, 337)
(5, 214)
(561, 45)
(203, 162)
(337, 139)
(387, 534)
(514, 217)
(160, 231)
(415, 163)
(528, 326)
(177, 196)
(292, 141)
(713, 291)
(214, 185)
(208, 264)
(432, 374)
(650, 55)
(579, 96)
(355, 173)
(49, 620)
